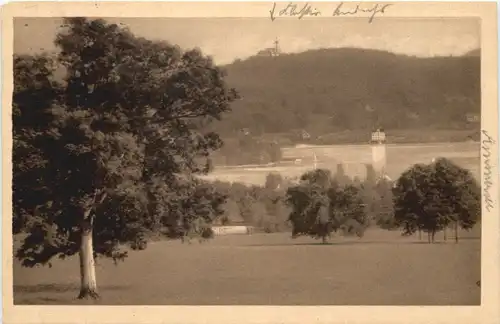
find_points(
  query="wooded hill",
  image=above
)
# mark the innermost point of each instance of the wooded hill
(333, 90)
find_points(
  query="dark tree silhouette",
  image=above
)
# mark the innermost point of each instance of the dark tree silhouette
(320, 206)
(110, 152)
(431, 197)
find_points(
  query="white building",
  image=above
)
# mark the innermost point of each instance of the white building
(379, 151)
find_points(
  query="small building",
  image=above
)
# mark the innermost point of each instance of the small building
(378, 136)
(270, 51)
(305, 135)
(472, 118)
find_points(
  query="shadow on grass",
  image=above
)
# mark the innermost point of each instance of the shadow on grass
(59, 300)
(57, 294)
(364, 242)
(468, 238)
(57, 288)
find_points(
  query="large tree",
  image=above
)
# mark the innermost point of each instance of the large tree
(431, 197)
(320, 206)
(100, 155)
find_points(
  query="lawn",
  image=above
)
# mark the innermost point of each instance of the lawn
(382, 268)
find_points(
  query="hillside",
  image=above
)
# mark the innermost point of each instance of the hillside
(336, 90)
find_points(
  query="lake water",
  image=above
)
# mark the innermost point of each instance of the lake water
(354, 158)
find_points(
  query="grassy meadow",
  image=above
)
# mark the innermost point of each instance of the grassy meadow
(382, 268)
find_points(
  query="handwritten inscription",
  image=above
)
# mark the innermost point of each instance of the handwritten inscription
(377, 8)
(306, 10)
(487, 170)
(293, 10)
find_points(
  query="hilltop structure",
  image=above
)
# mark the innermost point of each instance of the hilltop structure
(271, 51)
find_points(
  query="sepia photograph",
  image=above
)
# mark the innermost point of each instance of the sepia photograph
(324, 154)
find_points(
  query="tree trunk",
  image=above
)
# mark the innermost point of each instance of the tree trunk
(420, 234)
(433, 235)
(429, 237)
(88, 283)
(444, 233)
(325, 239)
(456, 231)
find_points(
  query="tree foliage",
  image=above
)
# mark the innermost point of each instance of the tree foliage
(384, 208)
(432, 197)
(114, 144)
(321, 206)
(274, 181)
(263, 207)
(325, 95)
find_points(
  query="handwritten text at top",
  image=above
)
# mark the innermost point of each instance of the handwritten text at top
(306, 10)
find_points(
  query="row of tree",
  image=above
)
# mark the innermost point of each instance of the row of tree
(433, 197)
(269, 207)
(426, 198)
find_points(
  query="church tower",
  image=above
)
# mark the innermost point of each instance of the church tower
(276, 47)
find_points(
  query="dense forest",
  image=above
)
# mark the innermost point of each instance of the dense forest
(340, 95)
(331, 90)
(337, 96)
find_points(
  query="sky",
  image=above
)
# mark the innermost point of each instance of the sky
(227, 39)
